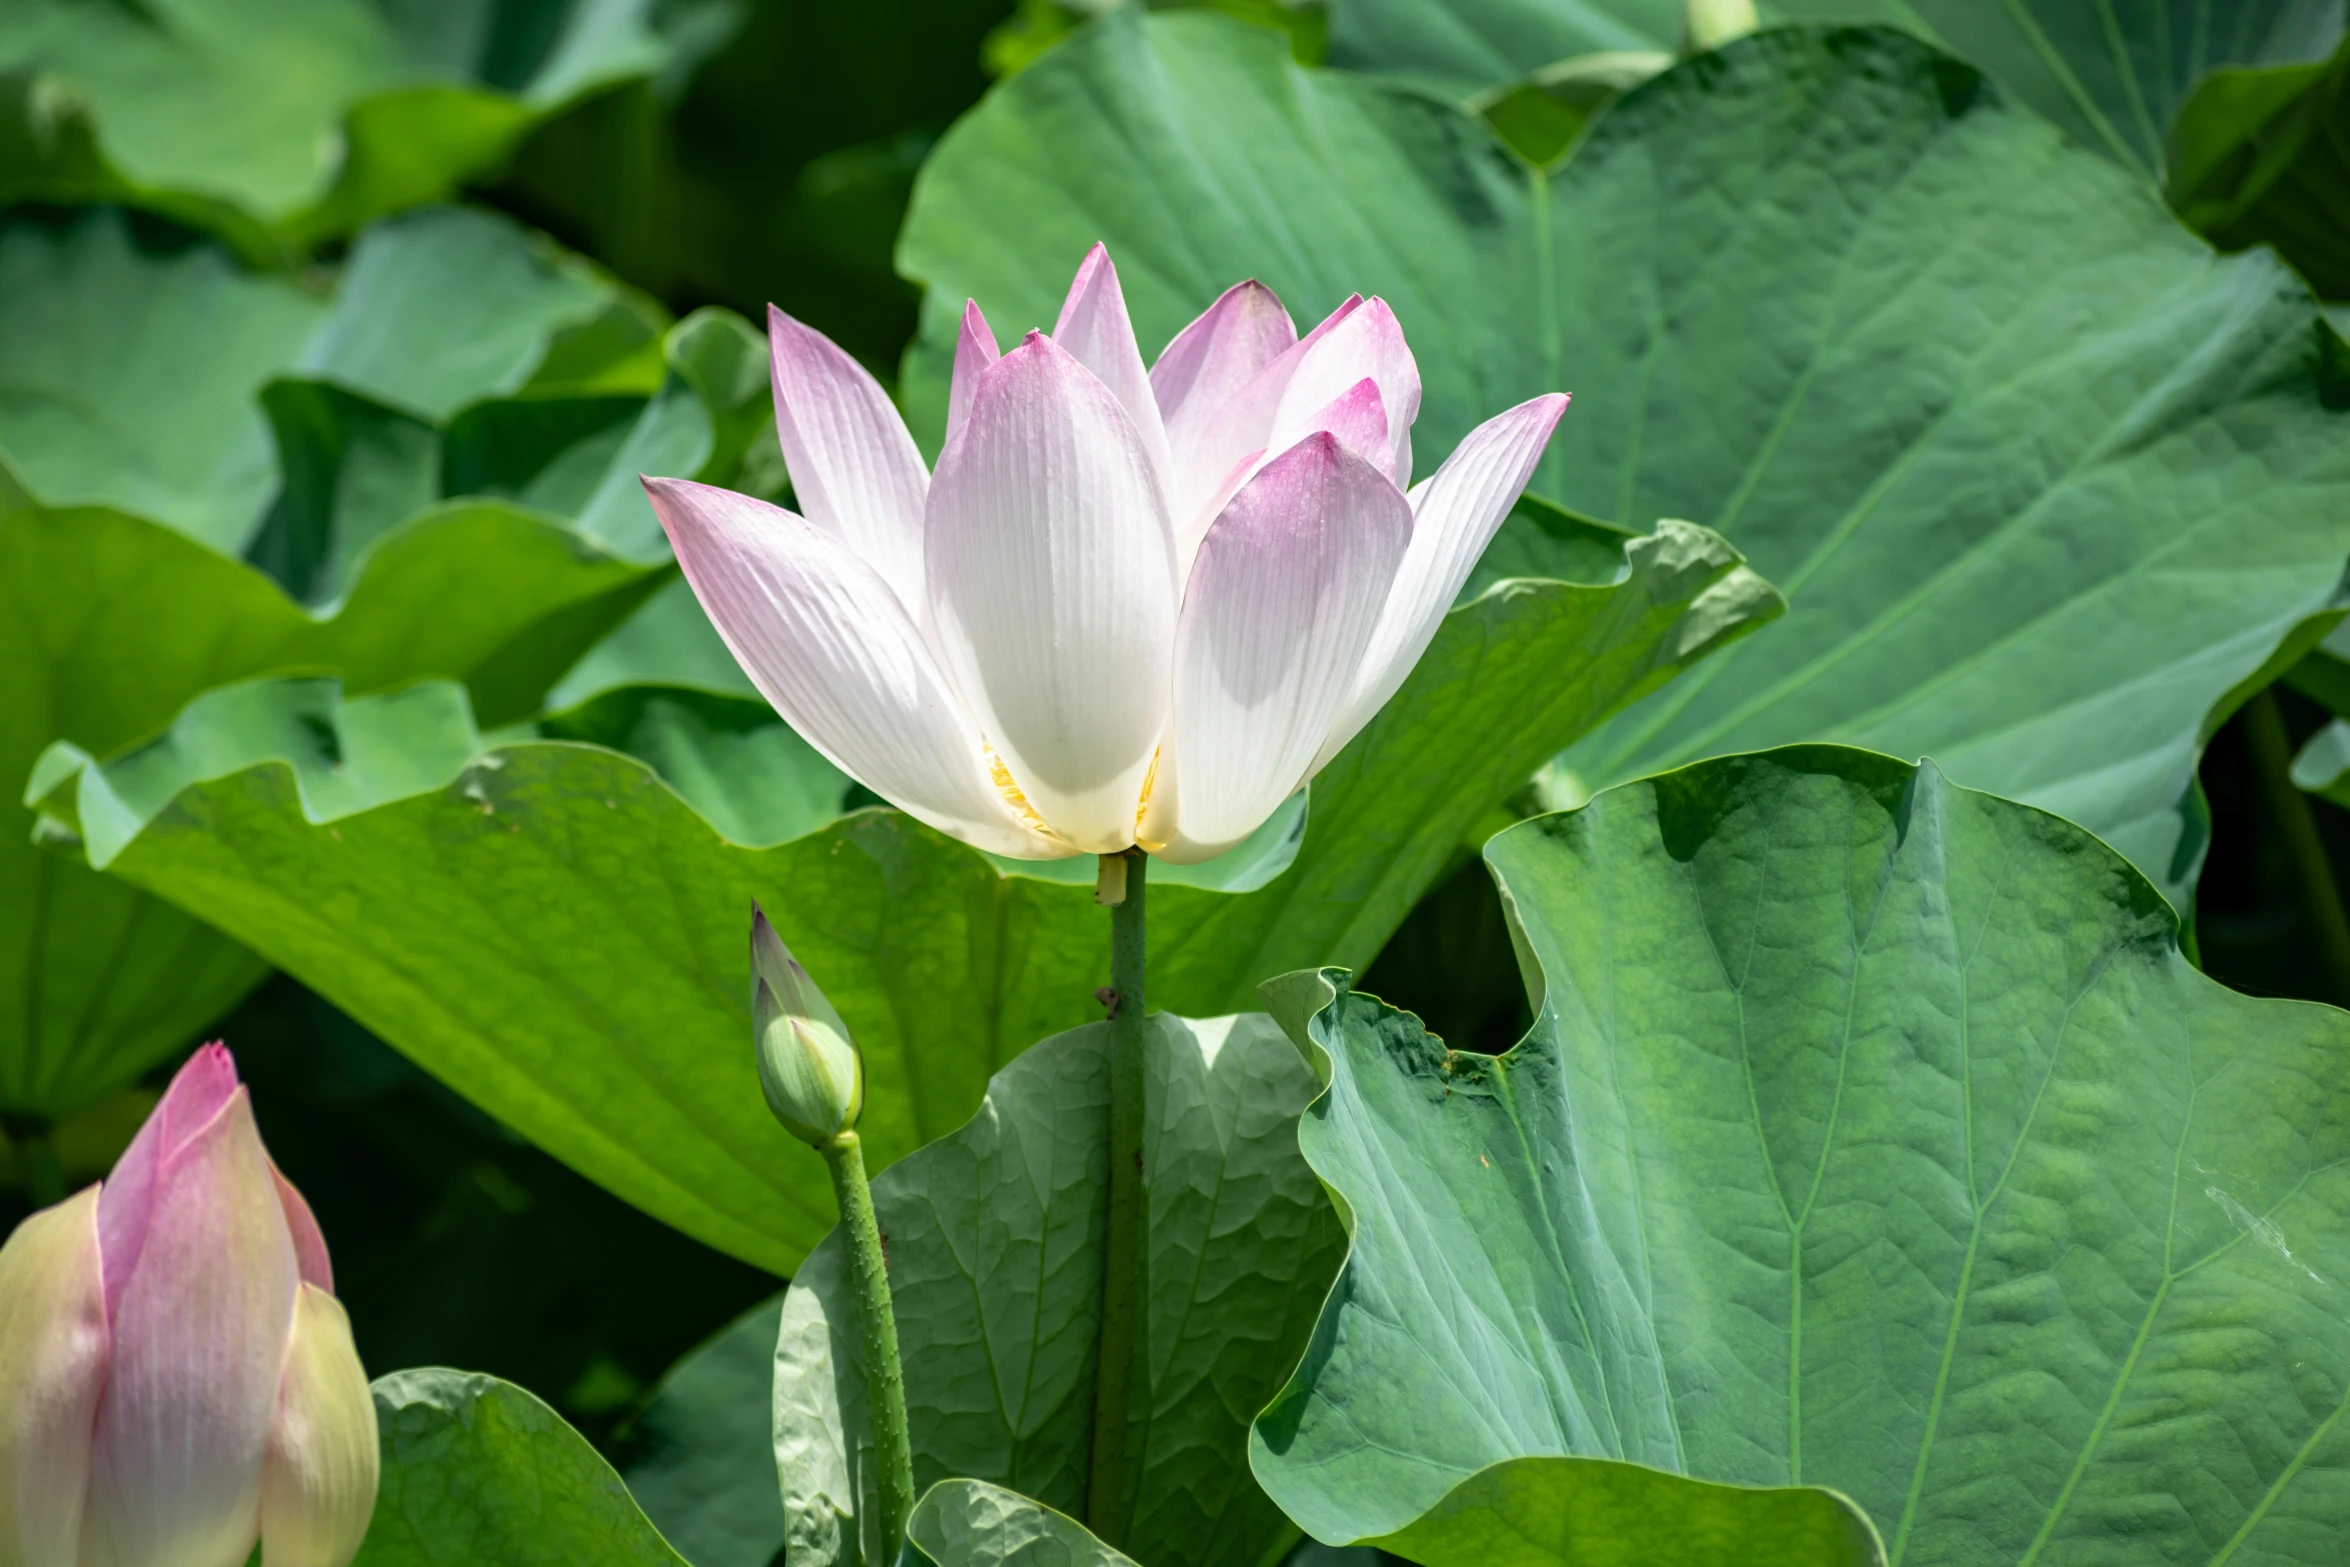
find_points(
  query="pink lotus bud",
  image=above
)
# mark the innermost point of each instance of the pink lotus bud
(177, 1379)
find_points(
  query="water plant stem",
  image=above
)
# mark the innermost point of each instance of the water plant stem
(2272, 755)
(893, 1450)
(1107, 1496)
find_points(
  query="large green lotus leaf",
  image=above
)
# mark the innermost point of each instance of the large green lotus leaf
(994, 1237)
(1872, 1133)
(282, 123)
(561, 939)
(130, 376)
(969, 1523)
(2262, 157)
(700, 1456)
(2112, 74)
(477, 1471)
(2045, 482)
(109, 624)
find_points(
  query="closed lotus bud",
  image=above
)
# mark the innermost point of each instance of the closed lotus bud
(177, 1379)
(808, 1066)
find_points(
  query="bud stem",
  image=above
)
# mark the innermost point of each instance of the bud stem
(893, 1450)
(1108, 1497)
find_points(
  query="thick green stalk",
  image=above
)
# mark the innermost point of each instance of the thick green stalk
(36, 1162)
(2272, 754)
(1108, 1485)
(893, 1450)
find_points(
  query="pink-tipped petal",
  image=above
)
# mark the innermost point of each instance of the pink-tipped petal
(199, 1340)
(831, 648)
(1243, 425)
(319, 1479)
(1207, 364)
(197, 1092)
(310, 1256)
(1051, 568)
(1454, 517)
(53, 1342)
(1096, 332)
(1281, 605)
(1369, 342)
(975, 350)
(1358, 417)
(853, 467)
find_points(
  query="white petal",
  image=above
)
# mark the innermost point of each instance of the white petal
(834, 652)
(1454, 516)
(1281, 604)
(1097, 333)
(854, 469)
(1369, 342)
(975, 350)
(1051, 569)
(318, 1483)
(53, 1341)
(1205, 366)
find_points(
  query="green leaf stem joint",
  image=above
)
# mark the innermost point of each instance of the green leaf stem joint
(1108, 1493)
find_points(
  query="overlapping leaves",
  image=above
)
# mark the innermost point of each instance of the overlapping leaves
(1872, 1133)
(560, 938)
(344, 441)
(2045, 483)
(282, 123)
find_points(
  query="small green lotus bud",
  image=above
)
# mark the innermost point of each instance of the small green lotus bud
(1709, 24)
(808, 1066)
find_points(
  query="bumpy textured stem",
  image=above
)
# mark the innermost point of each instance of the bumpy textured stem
(893, 1451)
(1108, 1489)
(36, 1162)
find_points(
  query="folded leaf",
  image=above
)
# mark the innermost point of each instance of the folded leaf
(1872, 1134)
(559, 937)
(969, 1523)
(478, 1470)
(995, 1235)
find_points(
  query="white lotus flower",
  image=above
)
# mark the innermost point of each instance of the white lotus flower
(1130, 606)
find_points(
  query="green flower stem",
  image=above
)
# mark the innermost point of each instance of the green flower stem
(1108, 1493)
(2272, 755)
(36, 1162)
(893, 1450)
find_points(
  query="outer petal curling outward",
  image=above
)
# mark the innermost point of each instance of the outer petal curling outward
(975, 350)
(1096, 332)
(1283, 600)
(1052, 582)
(854, 468)
(1367, 343)
(1205, 366)
(199, 1341)
(53, 1344)
(1454, 515)
(828, 644)
(319, 1479)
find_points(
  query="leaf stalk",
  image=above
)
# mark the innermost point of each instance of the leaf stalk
(877, 1323)
(1108, 1489)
